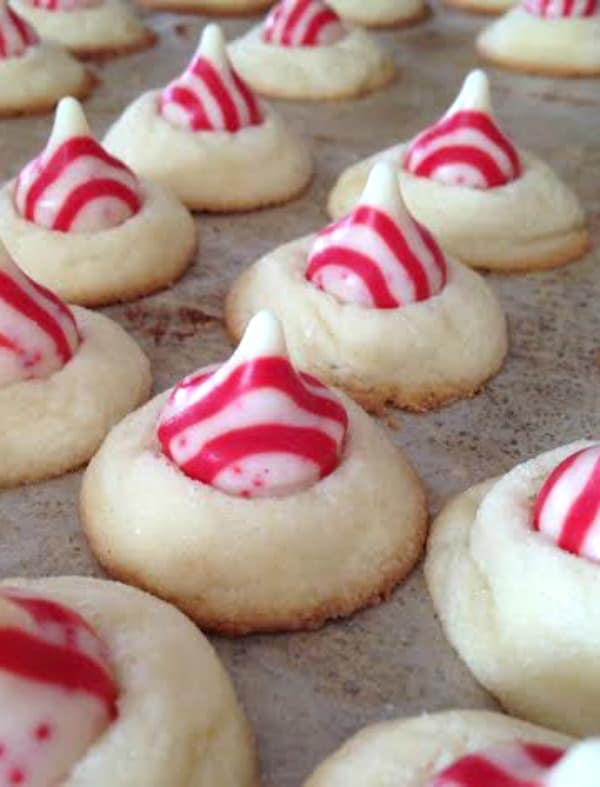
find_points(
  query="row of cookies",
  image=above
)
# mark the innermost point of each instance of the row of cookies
(273, 453)
(302, 51)
(294, 469)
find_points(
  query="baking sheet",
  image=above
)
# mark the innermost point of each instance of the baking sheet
(305, 693)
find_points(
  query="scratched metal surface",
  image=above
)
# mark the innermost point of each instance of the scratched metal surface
(305, 693)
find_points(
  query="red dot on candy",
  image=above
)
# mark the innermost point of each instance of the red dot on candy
(2, 750)
(42, 732)
(16, 776)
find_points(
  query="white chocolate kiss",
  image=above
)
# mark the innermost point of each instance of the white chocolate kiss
(580, 767)
(381, 192)
(257, 474)
(474, 95)
(98, 213)
(27, 350)
(44, 728)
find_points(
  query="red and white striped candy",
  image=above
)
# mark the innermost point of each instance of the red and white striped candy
(567, 508)
(75, 185)
(57, 687)
(64, 5)
(209, 95)
(562, 9)
(16, 36)
(302, 23)
(38, 333)
(379, 256)
(254, 427)
(525, 765)
(510, 765)
(466, 147)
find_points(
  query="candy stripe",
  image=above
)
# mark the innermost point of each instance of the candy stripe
(28, 657)
(57, 166)
(86, 193)
(360, 265)
(254, 426)
(218, 454)
(32, 310)
(263, 373)
(65, 5)
(562, 9)
(210, 100)
(16, 36)
(567, 509)
(465, 139)
(513, 765)
(302, 23)
(405, 264)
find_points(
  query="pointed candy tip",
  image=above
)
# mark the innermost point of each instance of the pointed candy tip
(474, 93)
(213, 45)
(263, 336)
(383, 189)
(69, 121)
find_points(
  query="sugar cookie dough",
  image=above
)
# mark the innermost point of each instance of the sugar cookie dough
(494, 206)
(34, 75)
(254, 498)
(566, 44)
(382, 13)
(519, 608)
(171, 713)
(227, 150)
(373, 306)
(88, 28)
(95, 234)
(209, 7)
(66, 377)
(411, 752)
(291, 56)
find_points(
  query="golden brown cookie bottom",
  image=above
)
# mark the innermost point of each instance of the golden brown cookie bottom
(414, 19)
(149, 39)
(474, 7)
(250, 8)
(310, 620)
(523, 65)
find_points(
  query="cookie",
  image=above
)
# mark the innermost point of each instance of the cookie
(557, 39)
(303, 51)
(512, 570)
(66, 377)
(95, 234)
(228, 151)
(482, 201)
(100, 680)
(372, 306)
(198, 495)
(87, 28)
(34, 75)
